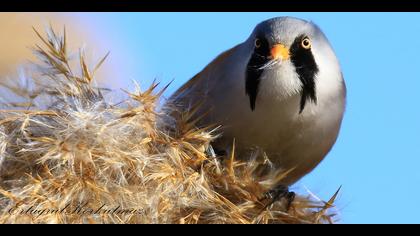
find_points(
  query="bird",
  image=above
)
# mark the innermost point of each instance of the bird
(280, 91)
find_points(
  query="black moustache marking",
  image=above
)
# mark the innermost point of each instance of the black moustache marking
(306, 68)
(259, 58)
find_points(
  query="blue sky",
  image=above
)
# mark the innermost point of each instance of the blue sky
(377, 156)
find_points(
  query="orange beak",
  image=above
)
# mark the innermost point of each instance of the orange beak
(279, 51)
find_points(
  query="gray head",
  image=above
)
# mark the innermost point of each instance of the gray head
(293, 50)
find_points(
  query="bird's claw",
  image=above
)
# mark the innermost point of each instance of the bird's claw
(278, 193)
(214, 152)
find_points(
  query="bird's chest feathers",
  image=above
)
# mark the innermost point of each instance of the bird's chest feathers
(276, 121)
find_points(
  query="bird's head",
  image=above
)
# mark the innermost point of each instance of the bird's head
(288, 56)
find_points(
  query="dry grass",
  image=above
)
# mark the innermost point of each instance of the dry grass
(68, 155)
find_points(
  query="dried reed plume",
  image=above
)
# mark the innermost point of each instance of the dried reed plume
(68, 155)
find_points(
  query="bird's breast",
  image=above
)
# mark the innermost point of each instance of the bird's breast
(288, 137)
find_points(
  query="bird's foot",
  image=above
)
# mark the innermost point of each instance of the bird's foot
(278, 193)
(214, 152)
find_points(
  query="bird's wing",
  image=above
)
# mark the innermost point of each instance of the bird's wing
(197, 82)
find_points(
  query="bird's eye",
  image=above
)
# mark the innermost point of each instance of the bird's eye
(306, 43)
(257, 43)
